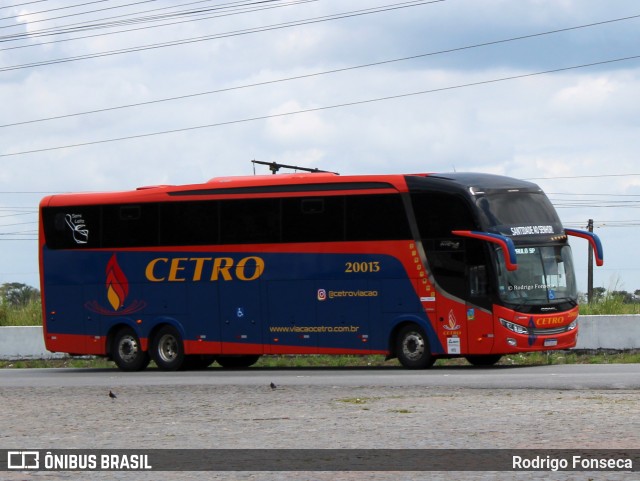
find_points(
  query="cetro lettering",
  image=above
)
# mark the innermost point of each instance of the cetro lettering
(550, 321)
(197, 269)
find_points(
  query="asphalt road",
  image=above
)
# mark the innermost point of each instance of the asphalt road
(540, 408)
(583, 376)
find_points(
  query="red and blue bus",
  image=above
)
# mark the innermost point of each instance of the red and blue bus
(414, 267)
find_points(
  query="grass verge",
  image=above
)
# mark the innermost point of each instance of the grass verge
(320, 361)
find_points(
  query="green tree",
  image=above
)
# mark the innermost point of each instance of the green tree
(599, 293)
(627, 298)
(15, 294)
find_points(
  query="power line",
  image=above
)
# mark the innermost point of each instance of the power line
(602, 224)
(18, 223)
(22, 4)
(326, 18)
(54, 9)
(75, 14)
(92, 25)
(239, 9)
(602, 200)
(327, 72)
(591, 194)
(329, 107)
(591, 202)
(54, 192)
(594, 206)
(18, 214)
(587, 176)
(618, 221)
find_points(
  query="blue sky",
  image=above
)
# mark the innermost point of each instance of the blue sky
(574, 131)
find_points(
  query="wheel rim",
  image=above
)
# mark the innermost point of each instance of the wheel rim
(128, 348)
(413, 346)
(168, 348)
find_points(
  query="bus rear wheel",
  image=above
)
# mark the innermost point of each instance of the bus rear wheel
(237, 361)
(412, 348)
(126, 351)
(484, 360)
(167, 349)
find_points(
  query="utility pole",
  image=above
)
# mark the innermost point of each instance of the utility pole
(590, 266)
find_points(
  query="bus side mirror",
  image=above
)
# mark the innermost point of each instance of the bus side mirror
(504, 242)
(593, 239)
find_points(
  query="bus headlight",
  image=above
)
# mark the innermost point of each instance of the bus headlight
(573, 325)
(517, 328)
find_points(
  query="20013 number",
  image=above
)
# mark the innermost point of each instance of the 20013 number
(362, 267)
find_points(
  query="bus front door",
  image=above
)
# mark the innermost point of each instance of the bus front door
(479, 318)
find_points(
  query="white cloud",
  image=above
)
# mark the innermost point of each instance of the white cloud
(296, 129)
(588, 96)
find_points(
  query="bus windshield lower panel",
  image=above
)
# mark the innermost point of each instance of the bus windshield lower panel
(544, 276)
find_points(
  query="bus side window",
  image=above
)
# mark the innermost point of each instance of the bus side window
(72, 227)
(458, 265)
(376, 217)
(247, 221)
(130, 212)
(312, 206)
(189, 223)
(130, 225)
(478, 281)
(313, 219)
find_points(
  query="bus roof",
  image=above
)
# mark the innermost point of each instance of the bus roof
(268, 185)
(470, 182)
(296, 184)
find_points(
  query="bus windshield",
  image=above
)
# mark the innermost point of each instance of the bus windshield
(544, 275)
(518, 214)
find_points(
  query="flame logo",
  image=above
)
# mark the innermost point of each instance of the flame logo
(117, 284)
(117, 287)
(453, 323)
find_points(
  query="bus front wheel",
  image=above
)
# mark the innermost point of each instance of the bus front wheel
(126, 351)
(412, 348)
(167, 349)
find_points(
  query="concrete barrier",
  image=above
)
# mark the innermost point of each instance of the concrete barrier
(596, 332)
(609, 332)
(24, 342)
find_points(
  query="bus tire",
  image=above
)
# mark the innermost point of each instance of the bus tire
(167, 349)
(126, 351)
(412, 348)
(232, 362)
(484, 360)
